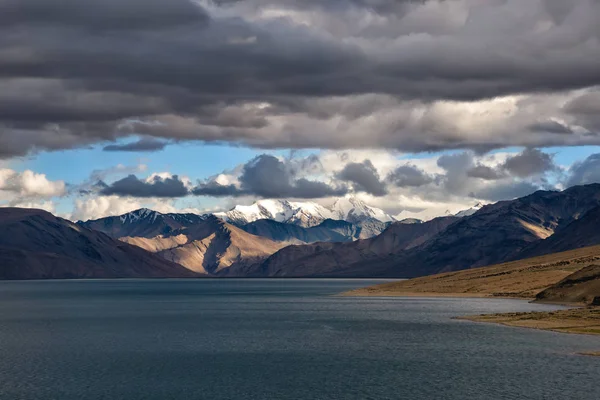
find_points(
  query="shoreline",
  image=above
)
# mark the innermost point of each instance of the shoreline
(574, 321)
(578, 319)
(369, 292)
(590, 354)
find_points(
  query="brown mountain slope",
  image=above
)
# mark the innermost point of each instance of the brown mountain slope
(338, 259)
(210, 246)
(499, 232)
(583, 232)
(496, 233)
(582, 286)
(142, 223)
(34, 244)
(522, 279)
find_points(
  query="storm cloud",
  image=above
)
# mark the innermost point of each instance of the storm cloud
(410, 176)
(155, 187)
(267, 176)
(585, 172)
(529, 162)
(364, 177)
(407, 75)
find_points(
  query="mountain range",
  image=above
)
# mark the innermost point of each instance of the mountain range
(277, 238)
(209, 247)
(35, 244)
(305, 214)
(142, 223)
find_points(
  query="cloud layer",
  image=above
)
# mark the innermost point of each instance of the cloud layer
(409, 75)
(382, 175)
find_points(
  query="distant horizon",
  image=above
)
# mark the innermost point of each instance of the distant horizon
(426, 214)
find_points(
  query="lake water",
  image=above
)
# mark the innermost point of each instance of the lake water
(273, 339)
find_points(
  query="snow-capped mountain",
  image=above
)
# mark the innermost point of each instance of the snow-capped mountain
(306, 214)
(352, 209)
(143, 223)
(470, 211)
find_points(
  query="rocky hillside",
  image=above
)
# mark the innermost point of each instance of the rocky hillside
(34, 244)
(142, 223)
(327, 231)
(210, 246)
(494, 234)
(516, 279)
(582, 286)
(582, 232)
(499, 232)
(341, 259)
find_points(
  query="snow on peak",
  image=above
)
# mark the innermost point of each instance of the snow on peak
(470, 211)
(353, 210)
(142, 213)
(299, 213)
(305, 214)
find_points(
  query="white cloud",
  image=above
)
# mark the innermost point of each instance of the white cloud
(93, 207)
(30, 185)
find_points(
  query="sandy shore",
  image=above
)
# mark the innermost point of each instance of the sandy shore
(584, 320)
(595, 354)
(578, 320)
(377, 292)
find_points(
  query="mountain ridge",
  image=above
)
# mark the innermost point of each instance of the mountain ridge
(305, 214)
(496, 233)
(209, 247)
(35, 244)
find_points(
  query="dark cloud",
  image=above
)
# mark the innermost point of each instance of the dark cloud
(267, 176)
(364, 177)
(144, 144)
(585, 172)
(102, 14)
(77, 72)
(157, 187)
(455, 180)
(409, 176)
(528, 163)
(214, 189)
(484, 172)
(505, 191)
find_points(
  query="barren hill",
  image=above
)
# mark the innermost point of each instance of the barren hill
(34, 244)
(521, 279)
(582, 286)
(341, 259)
(209, 246)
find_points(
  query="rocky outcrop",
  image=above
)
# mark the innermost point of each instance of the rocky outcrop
(328, 231)
(210, 246)
(357, 258)
(582, 232)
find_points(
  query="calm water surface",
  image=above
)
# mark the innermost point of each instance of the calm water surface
(273, 339)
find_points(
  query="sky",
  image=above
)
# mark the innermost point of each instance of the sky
(107, 106)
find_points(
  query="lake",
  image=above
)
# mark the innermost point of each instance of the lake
(273, 339)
